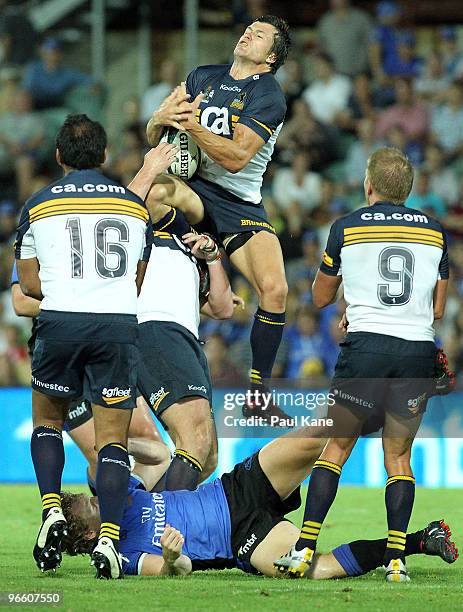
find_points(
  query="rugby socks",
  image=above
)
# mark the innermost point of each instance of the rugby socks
(183, 473)
(266, 334)
(323, 486)
(112, 481)
(47, 453)
(363, 556)
(399, 497)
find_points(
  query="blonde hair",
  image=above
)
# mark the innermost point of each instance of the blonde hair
(390, 174)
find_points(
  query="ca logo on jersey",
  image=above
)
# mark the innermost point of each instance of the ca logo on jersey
(215, 119)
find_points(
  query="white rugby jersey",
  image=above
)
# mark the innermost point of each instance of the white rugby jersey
(390, 258)
(170, 289)
(257, 102)
(88, 234)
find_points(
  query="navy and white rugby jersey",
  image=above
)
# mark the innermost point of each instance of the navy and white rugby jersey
(202, 516)
(390, 258)
(170, 289)
(88, 234)
(256, 102)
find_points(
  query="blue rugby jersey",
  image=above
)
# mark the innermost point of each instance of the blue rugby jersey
(202, 516)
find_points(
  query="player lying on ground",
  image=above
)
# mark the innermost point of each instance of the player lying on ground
(235, 521)
(235, 113)
(394, 266)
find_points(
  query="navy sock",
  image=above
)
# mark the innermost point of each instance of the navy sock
(323, 486)
(183, 473)
(112, 481)
(266, 334)
(47, 453)
(399, 497)
(363, 556)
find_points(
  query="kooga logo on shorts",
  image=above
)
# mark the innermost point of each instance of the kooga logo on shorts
(115, 395)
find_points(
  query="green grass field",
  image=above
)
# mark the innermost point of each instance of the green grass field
(358, 513)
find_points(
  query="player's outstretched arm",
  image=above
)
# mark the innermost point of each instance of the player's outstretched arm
(219, 303)
(156, 161)
(172, 562)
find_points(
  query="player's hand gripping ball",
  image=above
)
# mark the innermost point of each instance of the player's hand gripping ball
(188, 158)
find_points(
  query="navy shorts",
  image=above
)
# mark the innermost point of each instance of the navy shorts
(376, 373)
(172, 365)
(80, 411)
(224, 213)
(87, 355)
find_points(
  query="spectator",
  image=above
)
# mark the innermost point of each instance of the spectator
(344, 33)
(291, 81)
(296, 223)
(297, 184)
(308, 264)
(8, 221)
(17, 34)
(447, 122)
(304, 132)
(329, 93)
(433, 83)
(21, 134)
(129, 159)
(451, 53)
(305, 345)
(223, 371)
(397, 138)
(407, 113)
(48, 81)
(422, 198)
(153, 97)
(442, 181)
(407, 64)
(359, 152)
(383, 47)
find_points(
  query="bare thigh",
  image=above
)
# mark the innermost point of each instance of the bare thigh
(168, 190)
(288, 460)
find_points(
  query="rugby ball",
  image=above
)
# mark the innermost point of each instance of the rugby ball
(188, 158)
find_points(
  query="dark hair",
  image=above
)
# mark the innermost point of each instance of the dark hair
(81, 142)
(281, 41)
(75, 543)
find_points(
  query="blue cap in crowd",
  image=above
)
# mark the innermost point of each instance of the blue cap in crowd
(51, 44)
(387, 8)
(7, 208)
(448, 32)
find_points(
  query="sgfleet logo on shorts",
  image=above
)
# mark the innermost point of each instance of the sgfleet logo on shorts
(157, 397)
(87, 188)
(50, 386)
(415, 403)
(115, 395)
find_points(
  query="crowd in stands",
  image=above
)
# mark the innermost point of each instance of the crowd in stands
(365, 84)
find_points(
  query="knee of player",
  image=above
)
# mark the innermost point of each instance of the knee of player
(274, 289)
(156, 195)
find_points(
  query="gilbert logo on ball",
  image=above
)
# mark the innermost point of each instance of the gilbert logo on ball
(188, 157)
